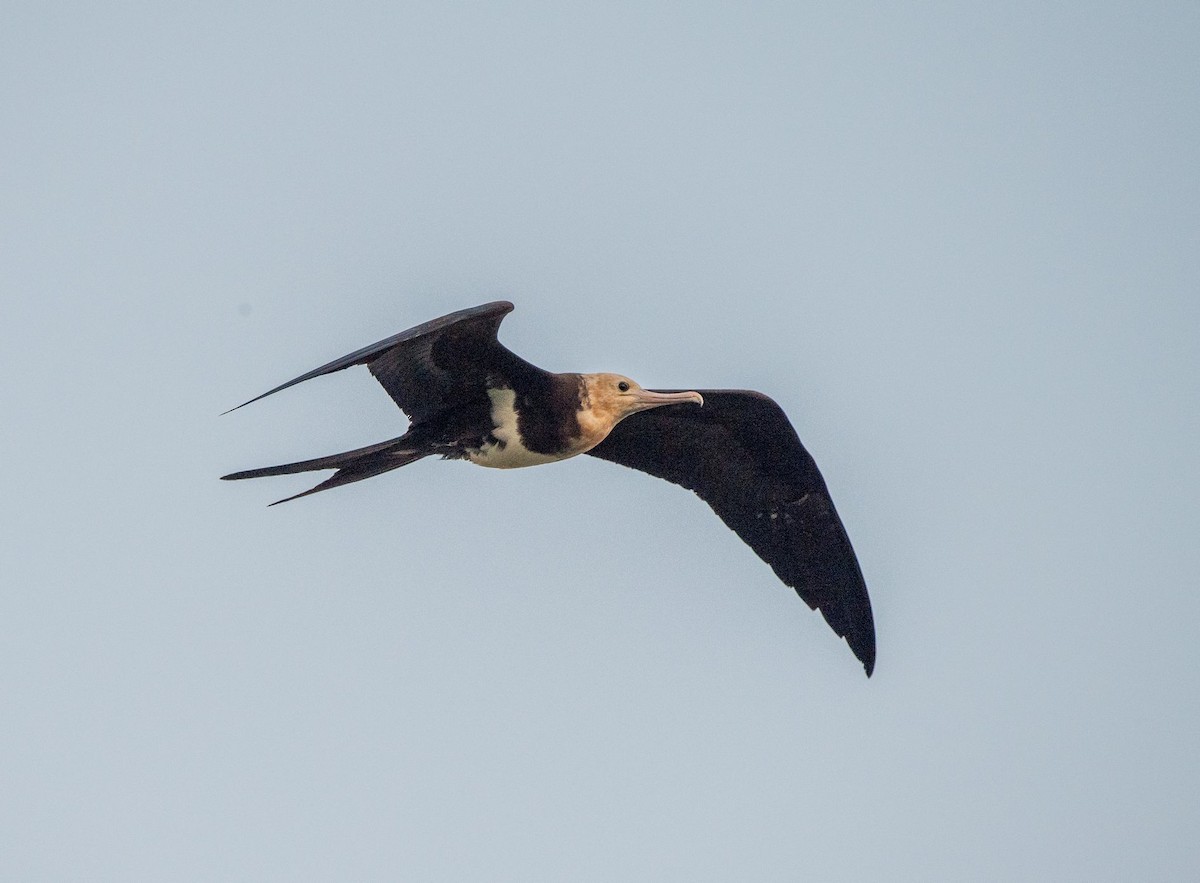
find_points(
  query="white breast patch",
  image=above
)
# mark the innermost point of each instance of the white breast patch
(507, 452)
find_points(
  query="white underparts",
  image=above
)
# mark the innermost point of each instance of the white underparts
(507, 451)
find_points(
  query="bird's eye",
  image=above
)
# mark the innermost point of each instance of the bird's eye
(623, 386)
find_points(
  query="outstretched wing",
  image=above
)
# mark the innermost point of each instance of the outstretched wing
(740, 454)
(424, 367)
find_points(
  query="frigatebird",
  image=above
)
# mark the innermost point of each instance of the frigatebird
(468, 397)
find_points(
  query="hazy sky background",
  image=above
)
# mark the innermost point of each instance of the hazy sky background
(959, 243)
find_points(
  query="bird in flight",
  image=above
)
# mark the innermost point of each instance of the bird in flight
(467, 397)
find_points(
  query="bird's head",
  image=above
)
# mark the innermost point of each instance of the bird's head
(610, 398)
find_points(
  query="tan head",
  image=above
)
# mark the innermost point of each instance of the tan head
(607, 399)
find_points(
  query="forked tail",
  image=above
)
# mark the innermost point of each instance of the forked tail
(351, 466)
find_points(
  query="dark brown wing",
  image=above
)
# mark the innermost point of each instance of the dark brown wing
(426, 367)
(740, 455)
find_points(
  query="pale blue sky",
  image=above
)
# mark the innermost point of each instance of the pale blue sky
(959, 243)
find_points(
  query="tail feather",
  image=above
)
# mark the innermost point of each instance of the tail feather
(351, 466)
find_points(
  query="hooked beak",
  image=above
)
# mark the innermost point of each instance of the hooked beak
(644, 399)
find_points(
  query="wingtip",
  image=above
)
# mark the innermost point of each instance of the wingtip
(865, 654)
(247, 402)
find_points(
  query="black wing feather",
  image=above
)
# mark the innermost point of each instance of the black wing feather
(741, 455)
(424, 367)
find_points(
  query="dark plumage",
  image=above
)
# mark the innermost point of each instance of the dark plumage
(468, 397)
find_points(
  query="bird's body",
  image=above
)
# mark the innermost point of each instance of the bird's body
(468, 397)
(505, 448)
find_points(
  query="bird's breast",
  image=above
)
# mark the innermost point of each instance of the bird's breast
(504, 447)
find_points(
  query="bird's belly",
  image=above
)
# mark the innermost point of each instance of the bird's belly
(510, 455)
(504, 448)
